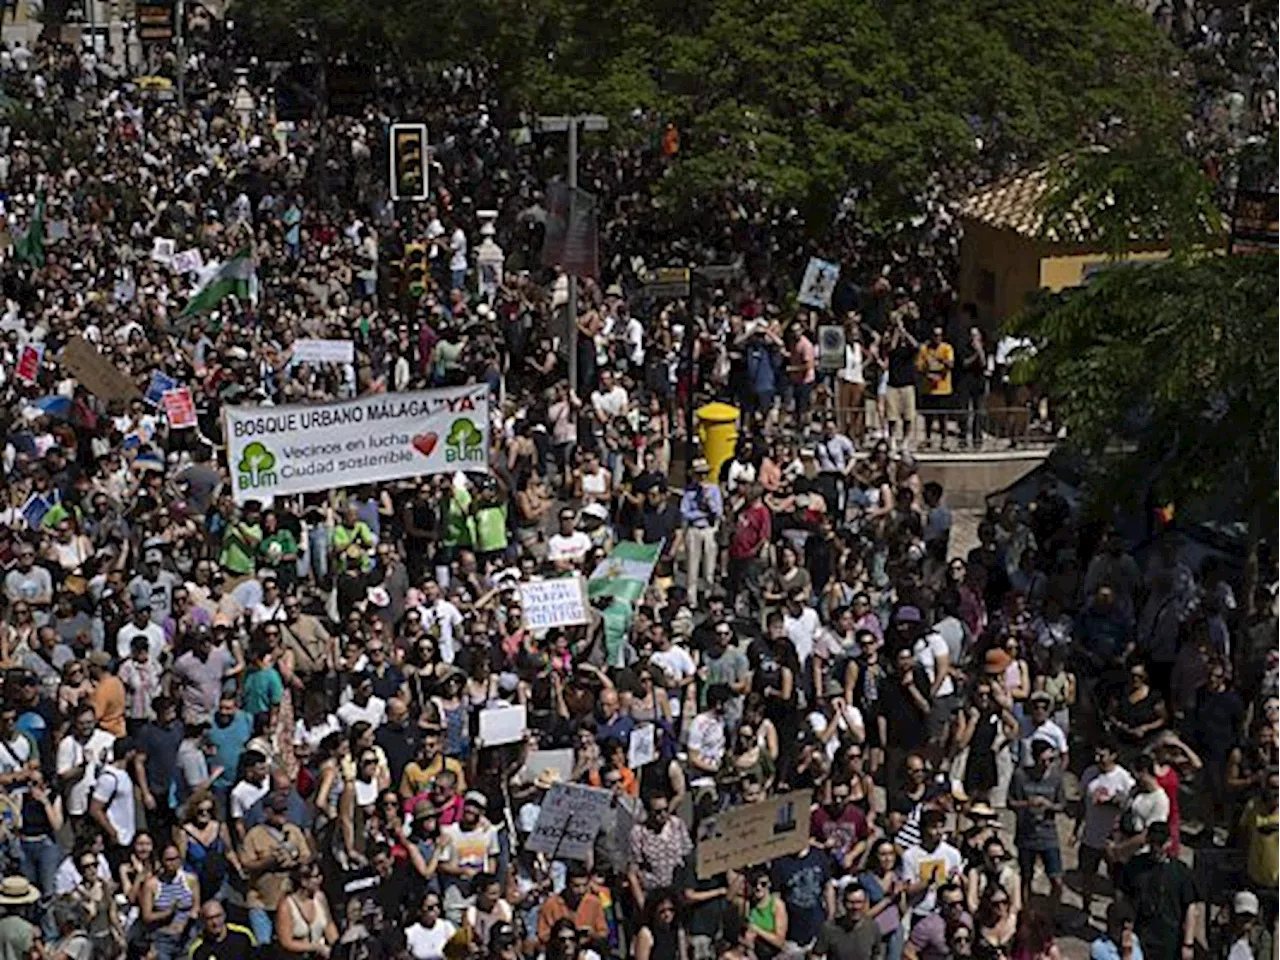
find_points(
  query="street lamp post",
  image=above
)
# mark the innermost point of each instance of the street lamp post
(590, 122)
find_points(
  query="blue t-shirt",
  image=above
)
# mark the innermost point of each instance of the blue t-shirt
(1105, 949)
(801, 881)
(263, 689)
(228, 743)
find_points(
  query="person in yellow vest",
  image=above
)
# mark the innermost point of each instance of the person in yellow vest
(936, 360)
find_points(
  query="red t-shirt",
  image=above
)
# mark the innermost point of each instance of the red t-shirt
(754, 527)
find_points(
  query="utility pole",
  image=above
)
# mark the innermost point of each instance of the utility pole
(590, 122)
(180, 26)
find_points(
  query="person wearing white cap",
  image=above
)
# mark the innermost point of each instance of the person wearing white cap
(1247, 938)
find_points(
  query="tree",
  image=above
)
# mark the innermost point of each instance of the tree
(793, 103)
(1166, 376)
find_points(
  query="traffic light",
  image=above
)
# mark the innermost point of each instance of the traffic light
(408, 161)
(416, 268)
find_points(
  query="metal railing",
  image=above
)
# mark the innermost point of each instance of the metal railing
(959, 429)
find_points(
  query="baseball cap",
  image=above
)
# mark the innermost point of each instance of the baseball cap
(153, 556)
(907, 615)
(1041, 696)
(477, 799)
(1246, 901)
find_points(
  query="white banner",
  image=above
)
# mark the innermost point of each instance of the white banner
(324, 351)
(278, 451)
(554, 603)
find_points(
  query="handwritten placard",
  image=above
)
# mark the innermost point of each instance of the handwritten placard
(499, 725)
(754, 833)
(554, 603)
(570, 817)
(642, 748)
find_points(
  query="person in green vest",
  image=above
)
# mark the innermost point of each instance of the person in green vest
(459, 523)
(490, 507)
(241, 538)
(352, 539)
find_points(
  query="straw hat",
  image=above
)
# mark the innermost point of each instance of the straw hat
(17, 891)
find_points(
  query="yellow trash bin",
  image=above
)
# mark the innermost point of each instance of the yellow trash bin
(718, 432)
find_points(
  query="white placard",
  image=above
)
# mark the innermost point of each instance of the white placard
(188, 261)
(642, 747)
(278, 451)
(499, 725)
(819, 283)
(324, 351)
(561, 602)
(162, 249)
(570, 817)
(561, 761)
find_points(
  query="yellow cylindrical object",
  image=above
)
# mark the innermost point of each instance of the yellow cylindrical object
(718, 432)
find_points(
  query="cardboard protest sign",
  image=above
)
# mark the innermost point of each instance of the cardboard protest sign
(499, 725)
(819, 283)
(95, 372)
(561, 602)
(754, 833)
(28, 367)
(569, 820)
(180, 408)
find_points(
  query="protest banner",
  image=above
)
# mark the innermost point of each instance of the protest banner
(28, 367)
(376, 438)
(188, 261)
(180, 408)
(324, 351)
(642, 748)
(819, 283)
(161, 383)
(569, 820)
(499, 725)
(162, 249)
(561, 602)
(95, 372)
(753, 833)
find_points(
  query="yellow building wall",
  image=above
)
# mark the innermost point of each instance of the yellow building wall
(1003, 256)
(1059, 272)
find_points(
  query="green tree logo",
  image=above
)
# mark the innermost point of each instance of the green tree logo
(465, 442)
(257, 466)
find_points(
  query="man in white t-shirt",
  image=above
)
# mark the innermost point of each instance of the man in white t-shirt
(1106, 786)
(111, 805)
(19, 759)
(929, 864)
(678, 668)
(707, 741)
(1148, 804)
(567, 547)
(610, 400)
(1038, 726)
(441, 617)
(363, 705)
(81, 756)
(255, 785)
(934, 657)
(801, 623)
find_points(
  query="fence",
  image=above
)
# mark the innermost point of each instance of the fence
(956, 428)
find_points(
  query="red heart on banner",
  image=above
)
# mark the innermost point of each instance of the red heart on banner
(424, 443)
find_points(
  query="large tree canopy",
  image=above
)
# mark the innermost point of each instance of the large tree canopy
(799, 102)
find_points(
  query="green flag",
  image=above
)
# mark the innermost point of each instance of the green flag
(233, 278)
(626, 572)
(30, 246)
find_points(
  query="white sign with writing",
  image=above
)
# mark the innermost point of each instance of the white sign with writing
(561, 602)
(188, 261)
(499, 725)
(569, 820)
(324, 351)
(642, 748)
(280, 451)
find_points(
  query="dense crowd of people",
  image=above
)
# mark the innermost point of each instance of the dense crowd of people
(231, 729)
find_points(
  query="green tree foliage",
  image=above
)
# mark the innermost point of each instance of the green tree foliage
(792, 101)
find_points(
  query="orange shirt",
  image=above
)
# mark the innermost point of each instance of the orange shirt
(588, 916)
(108, 704)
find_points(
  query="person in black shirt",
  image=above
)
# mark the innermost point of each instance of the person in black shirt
(221, 940)
(660, 518)
(904, 710)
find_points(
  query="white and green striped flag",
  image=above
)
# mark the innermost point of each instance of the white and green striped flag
(235, 278)
(626, 572)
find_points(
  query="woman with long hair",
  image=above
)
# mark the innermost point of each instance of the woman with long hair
(661, 934)
(304, 923)
(205, 845)
(886, 895)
